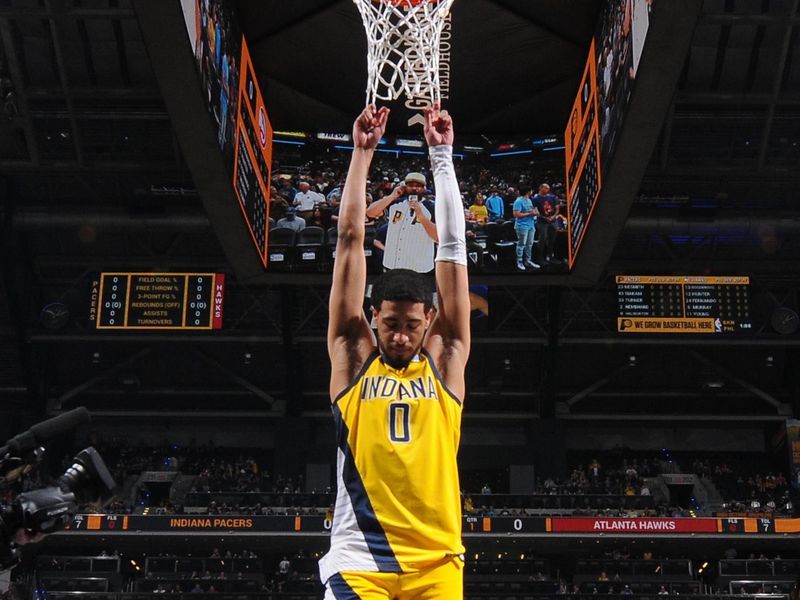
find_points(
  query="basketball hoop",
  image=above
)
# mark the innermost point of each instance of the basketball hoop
(403, 38)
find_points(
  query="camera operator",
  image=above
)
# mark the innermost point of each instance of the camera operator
(37, 512)
(23, 536)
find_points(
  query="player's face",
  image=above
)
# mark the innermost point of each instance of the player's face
(401, 330)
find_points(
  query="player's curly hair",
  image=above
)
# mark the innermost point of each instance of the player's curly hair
(398, 285)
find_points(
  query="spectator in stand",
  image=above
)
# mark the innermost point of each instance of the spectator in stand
(594, 470)
(546, 208)
(306, 200)
(371, 221)
(319, 218)
(283, 569)
(334, 197)
(508, 200)
(525, 218)
(286, 189)
(478, 209)
(379, 242)
(291, 220)
(495, 205)
(368, 221)
(474, 249)
(469, 507)
(277, 204)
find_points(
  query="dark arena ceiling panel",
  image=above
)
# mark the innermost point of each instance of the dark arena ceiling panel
(514, 64)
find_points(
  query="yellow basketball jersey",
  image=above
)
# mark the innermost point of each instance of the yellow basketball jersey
(398, 502)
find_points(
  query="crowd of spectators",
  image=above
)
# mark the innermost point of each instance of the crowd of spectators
(611, 485)
(216, 470)
(307, 192)
(614, 570)
(744, 484)
(320, 180)
(625, 478)
(229, 481)
(221, 570)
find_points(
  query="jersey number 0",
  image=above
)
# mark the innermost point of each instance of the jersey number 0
(399, 422)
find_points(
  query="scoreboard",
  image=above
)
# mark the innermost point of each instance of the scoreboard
(157, 301)
(472, 526)
(234, 101)
(706, 305)
(252, 163)
(582, 153)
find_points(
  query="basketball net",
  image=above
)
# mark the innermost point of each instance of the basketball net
(403, 38)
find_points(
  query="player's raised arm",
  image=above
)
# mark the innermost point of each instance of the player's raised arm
(449, 337)
(349, 338)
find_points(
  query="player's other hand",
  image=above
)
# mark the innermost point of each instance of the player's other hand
(438, 126)
(369, 127)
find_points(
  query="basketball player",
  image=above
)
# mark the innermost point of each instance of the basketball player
(411, 233)
(397, 399)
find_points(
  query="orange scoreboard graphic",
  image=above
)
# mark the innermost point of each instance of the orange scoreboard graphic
(582, 152)
(157, 301)
(252, 163)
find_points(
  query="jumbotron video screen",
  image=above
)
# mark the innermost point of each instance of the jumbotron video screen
(528, 196)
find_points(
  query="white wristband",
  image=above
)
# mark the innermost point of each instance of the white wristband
(450, 222)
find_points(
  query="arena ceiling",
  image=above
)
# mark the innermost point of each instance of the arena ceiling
(514, 64)
(92, 178)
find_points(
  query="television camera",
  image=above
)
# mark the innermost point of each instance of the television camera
(48, 509)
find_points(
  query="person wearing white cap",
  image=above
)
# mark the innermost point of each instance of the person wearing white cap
(411, 234)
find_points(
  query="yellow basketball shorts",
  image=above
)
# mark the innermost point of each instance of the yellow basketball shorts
(443, 581)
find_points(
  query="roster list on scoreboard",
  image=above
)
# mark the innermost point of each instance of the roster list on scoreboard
(668, 304)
